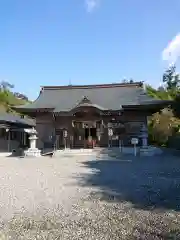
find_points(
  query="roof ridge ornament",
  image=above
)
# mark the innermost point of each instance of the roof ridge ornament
(85, 99)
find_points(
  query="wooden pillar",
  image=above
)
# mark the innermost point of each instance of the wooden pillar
(9, 140)
(24, 138)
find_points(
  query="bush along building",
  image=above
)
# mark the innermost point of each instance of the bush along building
(92, 115)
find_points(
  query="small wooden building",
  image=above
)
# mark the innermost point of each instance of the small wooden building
(97, 115)
(13, 132)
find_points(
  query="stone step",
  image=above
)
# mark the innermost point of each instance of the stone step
(73, 152)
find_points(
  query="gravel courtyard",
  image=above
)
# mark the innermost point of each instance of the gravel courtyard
(84, 197)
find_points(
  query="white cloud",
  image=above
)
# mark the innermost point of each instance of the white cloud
(91, 4)
(172, 52)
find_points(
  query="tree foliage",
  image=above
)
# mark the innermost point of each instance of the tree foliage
(166, 123)
(171, 79)
(8, 98)
(5, 86)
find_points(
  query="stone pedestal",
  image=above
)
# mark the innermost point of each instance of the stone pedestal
(144, 136)
(146, 150)
(150, 151)
(33, 151)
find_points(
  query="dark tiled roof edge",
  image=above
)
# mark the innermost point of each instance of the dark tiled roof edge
(12, 118)
(93, 86)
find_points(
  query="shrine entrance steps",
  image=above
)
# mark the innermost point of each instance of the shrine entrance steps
(97, 151)
(74, 152)
(109, 152)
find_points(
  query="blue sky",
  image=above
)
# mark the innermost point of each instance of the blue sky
(52, 42)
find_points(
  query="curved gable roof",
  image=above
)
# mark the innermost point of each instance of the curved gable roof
(85, 102)
(107, 97)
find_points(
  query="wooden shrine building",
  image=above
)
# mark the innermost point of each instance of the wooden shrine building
(92, 115)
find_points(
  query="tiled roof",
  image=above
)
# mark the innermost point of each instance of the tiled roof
(106, 96)
(15, 119)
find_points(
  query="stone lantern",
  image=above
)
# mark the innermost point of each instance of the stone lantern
(33, 151)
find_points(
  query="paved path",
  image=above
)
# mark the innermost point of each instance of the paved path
(79, 197)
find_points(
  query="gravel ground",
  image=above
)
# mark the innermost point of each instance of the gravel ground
(80, 197)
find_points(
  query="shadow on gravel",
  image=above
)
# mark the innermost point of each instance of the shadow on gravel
(147, 183)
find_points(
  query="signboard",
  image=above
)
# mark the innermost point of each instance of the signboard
(134, 141)
(109, 125)
(115, 137)
(112, 113)
(115, 124)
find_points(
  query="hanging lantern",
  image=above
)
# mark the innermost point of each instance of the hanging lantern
(110, 132)
(65, 133)
(99, 134)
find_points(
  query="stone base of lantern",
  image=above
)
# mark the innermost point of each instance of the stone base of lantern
(150, 151)
(32, 152)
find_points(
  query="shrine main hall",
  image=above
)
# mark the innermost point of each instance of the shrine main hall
(83, 116)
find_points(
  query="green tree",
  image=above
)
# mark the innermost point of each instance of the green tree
(162, 125)
(6, 86)
(161, 94)
(8, 98)
(166, 123)
(171, 78)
